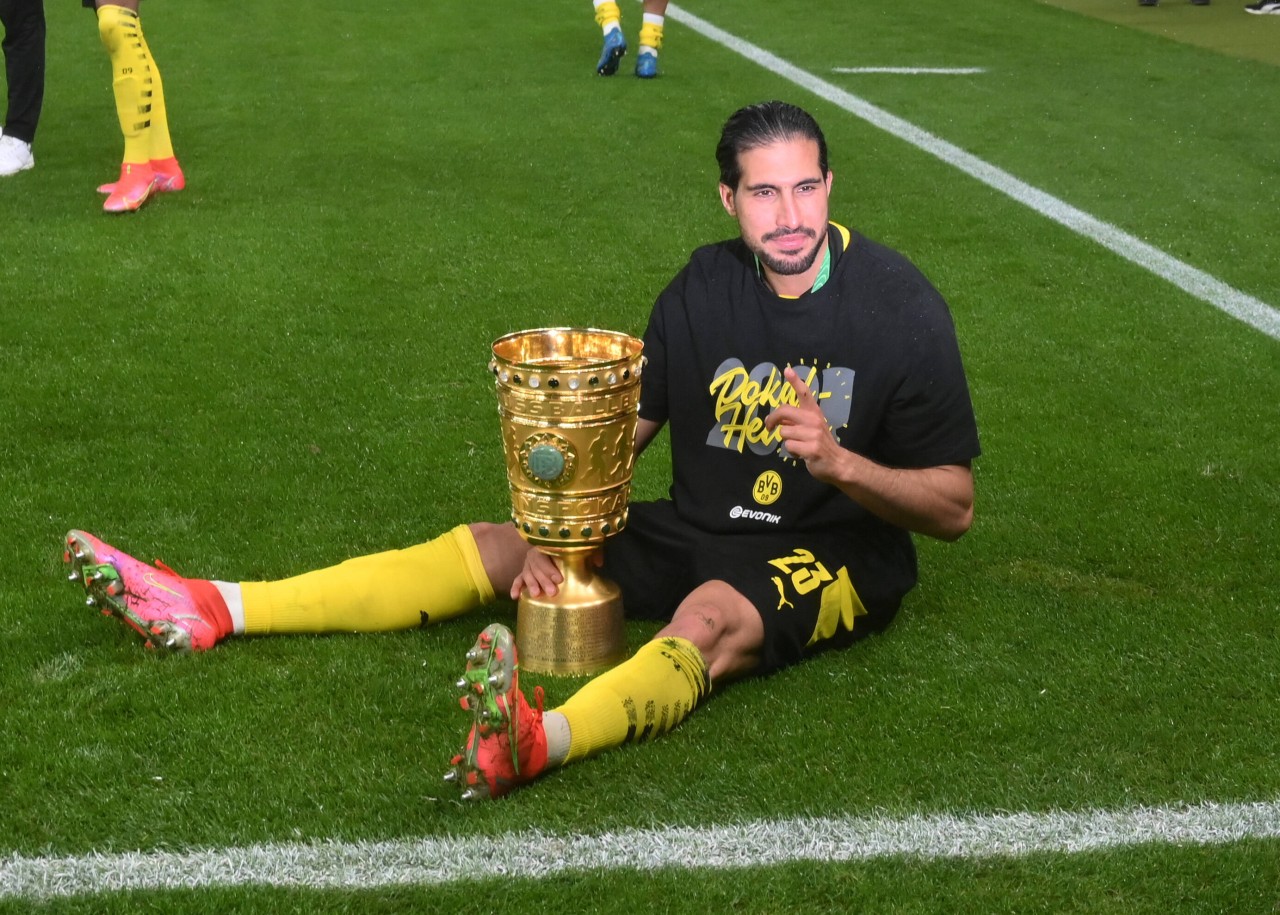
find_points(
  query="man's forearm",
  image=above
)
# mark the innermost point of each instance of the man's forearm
(936, 501)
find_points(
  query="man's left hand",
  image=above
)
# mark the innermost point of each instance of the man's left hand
(805, 432)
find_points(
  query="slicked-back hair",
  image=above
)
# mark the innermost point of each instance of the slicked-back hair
(764, 124)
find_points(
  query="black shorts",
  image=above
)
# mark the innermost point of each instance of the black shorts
(813, 589)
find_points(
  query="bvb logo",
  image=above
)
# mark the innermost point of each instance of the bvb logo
(767, 488)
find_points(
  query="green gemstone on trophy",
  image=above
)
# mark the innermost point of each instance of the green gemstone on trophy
(546, 463)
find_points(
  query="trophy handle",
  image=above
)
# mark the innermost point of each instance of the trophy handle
(577, 631)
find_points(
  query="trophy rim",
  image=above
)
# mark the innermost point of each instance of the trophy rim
(631, 346)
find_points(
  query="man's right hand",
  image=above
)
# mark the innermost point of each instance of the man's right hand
(539, 577)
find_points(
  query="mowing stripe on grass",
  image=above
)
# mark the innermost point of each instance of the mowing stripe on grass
(436, 861)
(913, 71)
(1239, 305)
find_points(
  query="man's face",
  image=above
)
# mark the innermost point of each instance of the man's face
(781, 205)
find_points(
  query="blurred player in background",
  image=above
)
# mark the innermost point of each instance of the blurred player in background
(149, 164)
(24, 32)
(609, 18)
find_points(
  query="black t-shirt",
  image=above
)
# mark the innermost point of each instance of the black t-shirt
(875, 343)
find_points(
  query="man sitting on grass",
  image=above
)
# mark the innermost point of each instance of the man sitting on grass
(819, 414)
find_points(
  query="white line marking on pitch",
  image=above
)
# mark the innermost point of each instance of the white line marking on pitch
(913, 71)
(1196, 282)
(534, 855)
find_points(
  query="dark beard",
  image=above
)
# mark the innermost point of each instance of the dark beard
(792, 265)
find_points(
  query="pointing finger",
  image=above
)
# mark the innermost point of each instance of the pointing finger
(804, 397)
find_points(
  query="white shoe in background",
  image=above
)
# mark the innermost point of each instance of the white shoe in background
(15, 156)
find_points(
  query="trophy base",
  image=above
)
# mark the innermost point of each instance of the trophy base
(577, 631)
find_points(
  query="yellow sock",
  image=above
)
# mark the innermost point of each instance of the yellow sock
(645, 696)
(398, 589)
(131, 78)
(161, 143)
(651, 33)
(608, 16)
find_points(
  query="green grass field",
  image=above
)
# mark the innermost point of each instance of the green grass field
(1223, 26)
(285, 365)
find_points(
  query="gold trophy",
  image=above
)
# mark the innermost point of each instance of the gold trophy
(568, 400)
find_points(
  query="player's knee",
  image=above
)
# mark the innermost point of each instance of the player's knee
(724, 626)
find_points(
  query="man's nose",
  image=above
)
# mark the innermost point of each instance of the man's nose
(787, 211)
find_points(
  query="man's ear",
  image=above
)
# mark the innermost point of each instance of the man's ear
(726, 200)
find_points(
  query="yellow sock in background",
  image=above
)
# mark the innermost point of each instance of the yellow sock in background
(398, 589)
(131, 78)
(161, 143)
(651, 32)
(645, 696)
(608, 15)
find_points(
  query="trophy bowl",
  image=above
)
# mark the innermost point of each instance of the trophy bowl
(568, 400)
